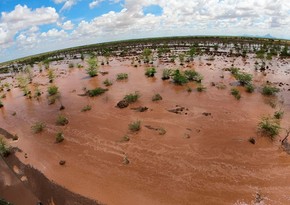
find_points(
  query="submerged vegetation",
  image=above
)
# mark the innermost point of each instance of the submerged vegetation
(269, 127)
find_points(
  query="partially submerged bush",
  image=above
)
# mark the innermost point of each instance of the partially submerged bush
(236, 93)
(51, 75)
(5, 150)
(192, 75)
(156, 97)
(200, 88)
(86, 108)
(38, 127)
(132, 97)
(179, 78)
(269, 90)
(1, 104)
(96, 92)
(150, 72)
(250, 88)
(61, 120)
(52, 90)
(278, 114)
(243, 78)
(59, 137)
(135, 126)
(269, 127)
(107, 82)
(166, 74)
(92, 70)
(122, 76)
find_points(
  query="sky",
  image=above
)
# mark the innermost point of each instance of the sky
(34, 26)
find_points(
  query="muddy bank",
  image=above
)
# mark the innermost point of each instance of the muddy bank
(22, 184)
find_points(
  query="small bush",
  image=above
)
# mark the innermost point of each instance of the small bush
(236, 93)
(71, 65)
(5, 150)
(179, 78)
(52, 90)
(38, 127)
(166, 74)
(278, 114)
(192, 75)
(92, 70)
(125, 138)
(243, 78)
(59, 137)
(96, 92)
(86, 108)
(107, 82)
(269, 90)
(269, 127)
(250, 88)
(37, 92)
(51, 75)
(189, 89)
(200, 88)
(156, 97)
(150, 72)
(122, 76)
(135, 126)
(61, 120)
(132, 97)
(1, 104)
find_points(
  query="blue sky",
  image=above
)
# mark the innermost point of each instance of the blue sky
(33, 26)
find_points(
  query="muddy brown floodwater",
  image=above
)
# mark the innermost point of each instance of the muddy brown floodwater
(201, 159)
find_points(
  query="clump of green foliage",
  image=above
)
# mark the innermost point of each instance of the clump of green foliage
(92, 69)
(269, 127)
(96, 92)
(122, 76)
(278, 114)
(146, 55)
(51, 75)
(5, 150)
(156, 97)
(166, 73)
(71, 65)
(1, 104)
(150, 72)
(107, 82)
(59, 137)
(52, 90)
(249, 88)
(270, 90)
(61, 120)
(192, 75)
(86, 108)
(242, 77)
(236, 93)
(132, 97)
(179, 78)
(38, 127)
(135, 126)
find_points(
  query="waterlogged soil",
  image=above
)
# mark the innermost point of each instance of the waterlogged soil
(203, 158)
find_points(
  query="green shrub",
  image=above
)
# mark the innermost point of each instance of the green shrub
(86, 108)
(236, 93)
(132, 97)
(37, 92)
(125, 138)
(156, 97)
(179, 78)
(59, 137)
(200, 88)
(5, 150)
(269, 90)
(243, 78)
(150, 72)
(38, 127)
(166, 73)
(92, 70)
(96, 92)
(1, 104)
(278, 114)
(122, 76)
(51, 75)
(192, 75)
(135, 126)
(52, 90)
(71, 65)
(107, 82)
(269, 127)
(250, 88)
(61, 120)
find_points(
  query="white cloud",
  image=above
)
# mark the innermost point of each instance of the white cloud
(67, 3)
(68, 25)
(95, 3)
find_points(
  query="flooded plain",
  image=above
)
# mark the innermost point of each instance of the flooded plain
(203, 158)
